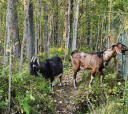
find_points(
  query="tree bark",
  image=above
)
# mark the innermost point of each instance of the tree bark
(71, 24)
(109, 24)
(29, 34)
(88, 22)
(67, 27)
(9, 88)
(46, 43)
(7, 33)
(36, 28)
(15, 30)
(12, 31)
(75, 25)
(26, 10)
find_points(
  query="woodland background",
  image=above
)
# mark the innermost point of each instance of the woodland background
(47, 28)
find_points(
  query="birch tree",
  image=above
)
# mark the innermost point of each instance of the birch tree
(76, 13)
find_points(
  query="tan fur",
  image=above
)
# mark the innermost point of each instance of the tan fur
(81, 60)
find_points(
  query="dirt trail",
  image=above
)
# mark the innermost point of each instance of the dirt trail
(64, 96)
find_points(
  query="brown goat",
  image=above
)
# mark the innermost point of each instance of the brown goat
(94, 61)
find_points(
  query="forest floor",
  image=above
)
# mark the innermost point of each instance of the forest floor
(64, 96)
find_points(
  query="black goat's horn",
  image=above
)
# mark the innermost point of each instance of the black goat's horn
(37, 60)
(32, 59)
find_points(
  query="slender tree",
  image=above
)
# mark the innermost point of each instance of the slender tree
(15, 30)
(88, 22)
(46, 43)
(9, 88)
(29, 34)
(26, 10)
(67, 28)
(109, 23)
(76, 13)
(36, 27)
(12, 31)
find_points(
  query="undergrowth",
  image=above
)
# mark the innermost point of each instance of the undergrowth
(110, 99)
(32, 95)
(28, 94)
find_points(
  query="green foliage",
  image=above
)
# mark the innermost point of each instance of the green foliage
(28, 94)
(99, 99)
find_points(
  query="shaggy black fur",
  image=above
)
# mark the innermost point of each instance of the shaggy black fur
(48, 68)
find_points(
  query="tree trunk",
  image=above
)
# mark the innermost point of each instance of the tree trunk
(15, 30)
(12, 31)
(56, 24)
(109, 24)
(96, 48)
(26, 10)
(76, 13)
(68, 29)
(29, 34)
(9, 88)
(36, 28)
(45, 29)
(71, 24)
(7, 33)
(88, 22)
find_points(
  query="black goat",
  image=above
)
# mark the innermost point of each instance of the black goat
(94, 61)
(48, 68)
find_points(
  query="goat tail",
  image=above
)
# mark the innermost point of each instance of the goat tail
(75, 51)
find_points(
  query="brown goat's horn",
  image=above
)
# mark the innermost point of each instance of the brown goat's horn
(32, 59)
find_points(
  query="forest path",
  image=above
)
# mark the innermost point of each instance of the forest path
(64, 96)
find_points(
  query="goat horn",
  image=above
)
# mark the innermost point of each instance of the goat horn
(38, 61)
(36, 58)
(32, 59)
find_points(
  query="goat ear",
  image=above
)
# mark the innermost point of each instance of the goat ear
(118, 50)
(32, 59)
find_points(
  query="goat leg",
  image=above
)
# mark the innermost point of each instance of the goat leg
(51, 84)
(90, 83)
(92, 77)
(60, 80)
(101, 76)
(36, 75)
(74, 80)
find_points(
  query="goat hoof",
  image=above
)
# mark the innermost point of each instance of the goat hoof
(76, 88)
(37, 76)
(51, 90)
(60, 85)
(103, 85)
